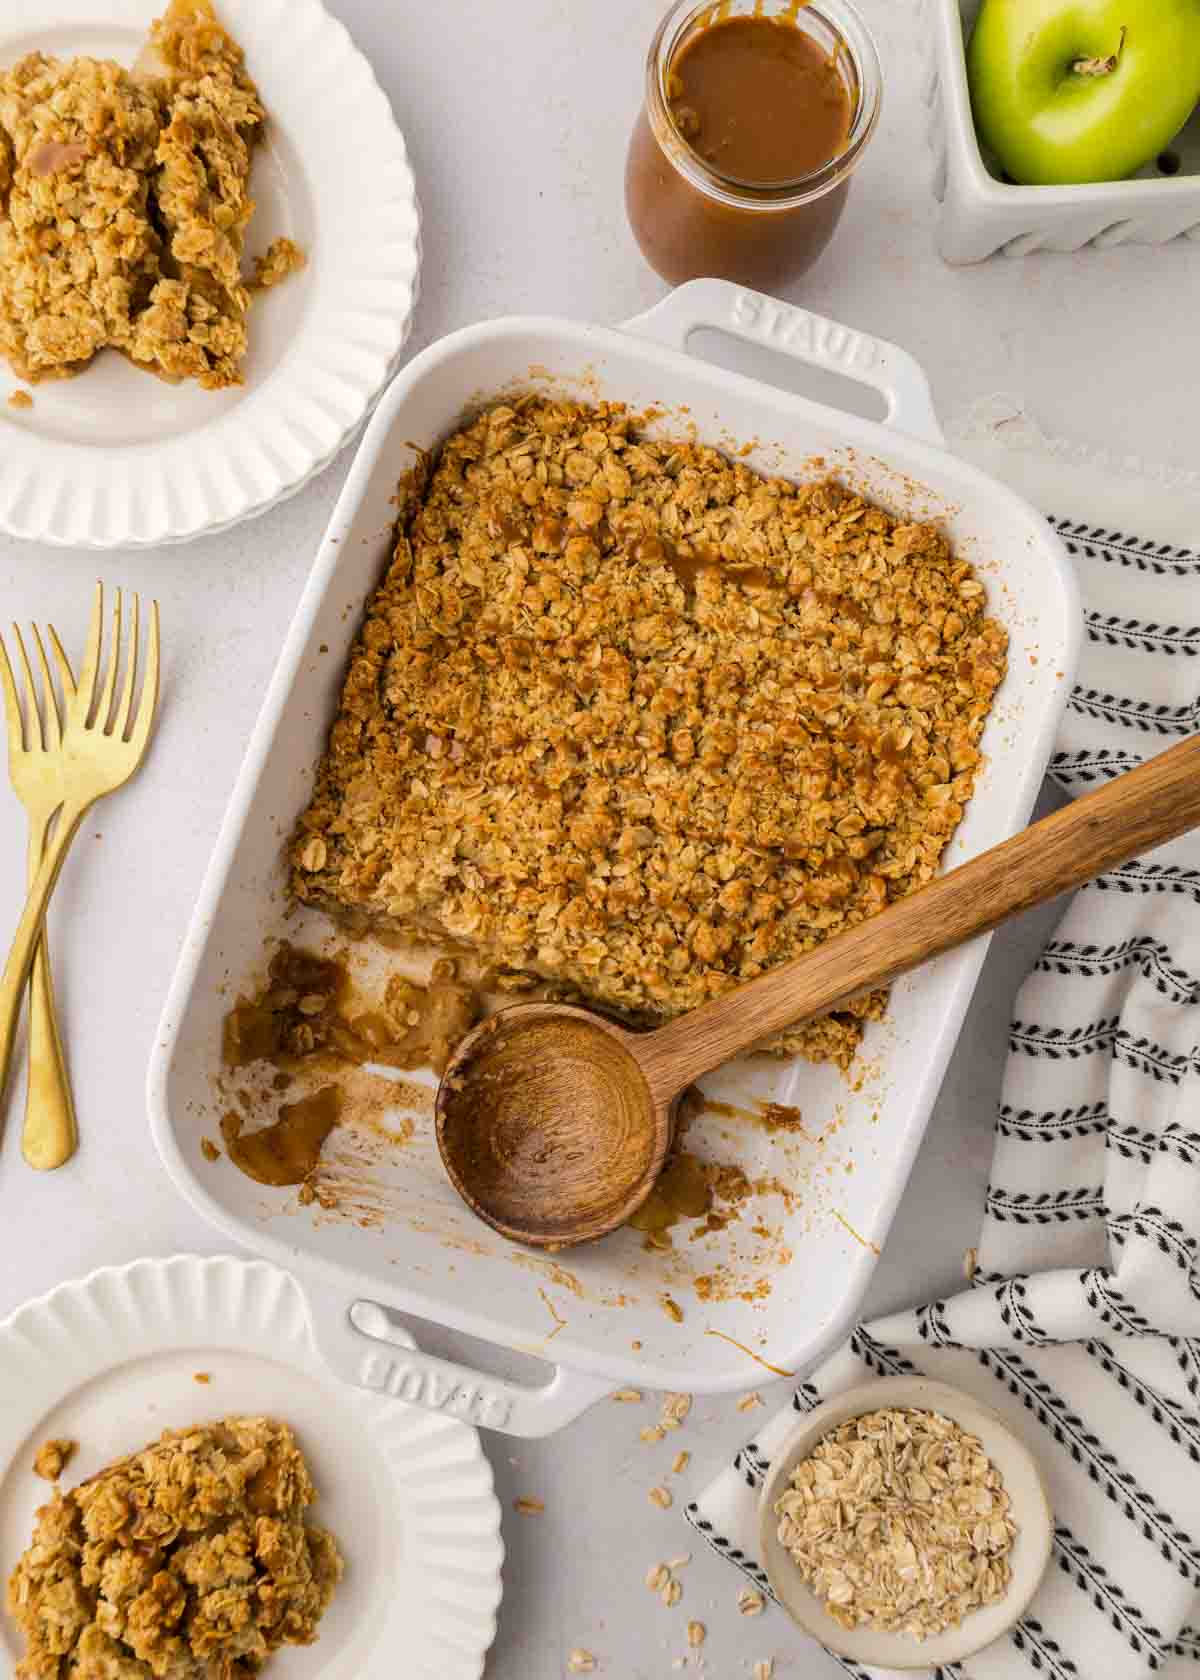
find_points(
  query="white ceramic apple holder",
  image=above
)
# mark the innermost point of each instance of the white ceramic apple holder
(982, 214)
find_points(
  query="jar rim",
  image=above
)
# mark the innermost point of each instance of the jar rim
(844, 21)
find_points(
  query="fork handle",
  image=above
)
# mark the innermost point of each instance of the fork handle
(50, 1136)
(29, 929)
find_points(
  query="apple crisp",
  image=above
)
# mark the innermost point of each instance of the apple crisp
(124, 202)
(627, 716)
(187, 1560)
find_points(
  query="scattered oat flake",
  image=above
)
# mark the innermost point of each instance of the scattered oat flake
(751, 1603)
(765, 1669)
(20, 399)
(970, 1263)
(672, 1593)
(529, 1507)
(659, 1496)
(652, 1433)
(581, 1661)
(675, 1408)
(204, 1377)
(679, 1562)
(748, 1401)
(627, 1396)
(209, 1150)
(680, 1461)
(697, 1633)
(671, 1308)
(657, 1577)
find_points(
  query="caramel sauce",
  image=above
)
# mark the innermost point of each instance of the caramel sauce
(683, 1191)
(759, 100)
(288, 1151)
(300, 1020)
(302, 1013)
(725, 170)
(689, 568)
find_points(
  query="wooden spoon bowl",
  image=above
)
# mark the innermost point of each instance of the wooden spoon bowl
(547, 1127)
(554, 1123)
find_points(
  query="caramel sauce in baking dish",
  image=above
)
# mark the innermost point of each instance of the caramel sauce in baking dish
(287, 1151)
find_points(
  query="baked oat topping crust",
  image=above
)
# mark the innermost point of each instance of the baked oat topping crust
(187, 1560)
(628, 716)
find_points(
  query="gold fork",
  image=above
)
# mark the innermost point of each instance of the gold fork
(99, 747)
(36, 775)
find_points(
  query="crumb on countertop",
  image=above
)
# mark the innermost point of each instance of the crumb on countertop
(20, 399)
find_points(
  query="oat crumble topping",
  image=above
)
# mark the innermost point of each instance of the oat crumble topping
(186, 1560)
(627, 716)
(52, 1458)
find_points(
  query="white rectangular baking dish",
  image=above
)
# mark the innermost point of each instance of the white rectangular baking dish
(982, 214)
(783, 1292)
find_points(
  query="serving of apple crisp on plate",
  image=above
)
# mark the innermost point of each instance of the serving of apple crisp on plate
(162, 164)
(223, 1505)
(626, 716)
(192, 1557)
(126, 203)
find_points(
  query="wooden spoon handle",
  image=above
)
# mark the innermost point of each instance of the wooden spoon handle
(1133, 813)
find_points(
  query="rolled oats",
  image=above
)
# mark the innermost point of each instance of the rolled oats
(581, 1661)
(657, 1577)
(898, 1521)
(659, 1496)
(675, 1409)
(680, 1462)
(672, 1593)
(750, 1603)
(696, 1633)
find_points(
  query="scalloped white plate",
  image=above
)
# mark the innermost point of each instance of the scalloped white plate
(117, 458)
(111, 1361)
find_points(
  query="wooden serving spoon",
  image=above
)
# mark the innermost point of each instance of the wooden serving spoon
(554, 1123)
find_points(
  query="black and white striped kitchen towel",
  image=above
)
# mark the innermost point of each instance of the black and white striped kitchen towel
(1082, 1325)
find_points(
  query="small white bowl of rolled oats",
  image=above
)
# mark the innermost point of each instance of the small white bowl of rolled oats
(904, 1524)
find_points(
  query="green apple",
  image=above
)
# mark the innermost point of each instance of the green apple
(1082, 90)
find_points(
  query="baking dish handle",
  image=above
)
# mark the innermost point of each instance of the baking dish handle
(389, 1362)
(803, 336)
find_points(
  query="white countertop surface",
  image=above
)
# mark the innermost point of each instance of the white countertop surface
(517, 117)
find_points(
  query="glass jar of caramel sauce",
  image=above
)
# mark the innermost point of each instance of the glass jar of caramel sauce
(756, 114)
